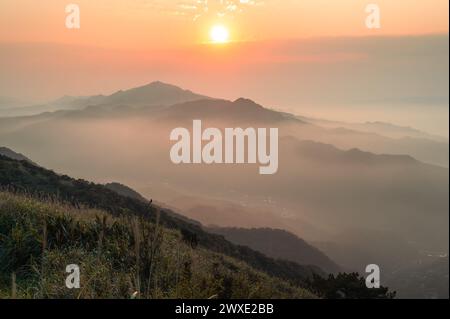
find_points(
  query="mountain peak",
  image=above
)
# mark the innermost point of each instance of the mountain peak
(160, 84)
(243, 100)
(152, 94)
(247, 103)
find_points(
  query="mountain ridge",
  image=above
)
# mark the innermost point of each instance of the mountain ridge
(4, 151)
(278, 243)
(23, 176)
(155, 93)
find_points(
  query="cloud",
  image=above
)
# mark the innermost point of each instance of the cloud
(196, 9)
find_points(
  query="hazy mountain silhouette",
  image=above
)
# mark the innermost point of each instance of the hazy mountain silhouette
(329, 154)
(246, 112)
(77, 102)
(170, 103)
(329, 179)
(153, 94)
(277, 243)
(241, 111)
(377, 127)
(350, 248)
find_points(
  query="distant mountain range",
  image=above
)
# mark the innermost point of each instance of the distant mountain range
(185, 106)
(170, 103)
(153, 94)
(371, 182)
(377, 127)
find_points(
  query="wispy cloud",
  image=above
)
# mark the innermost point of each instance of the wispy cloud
(196, 9)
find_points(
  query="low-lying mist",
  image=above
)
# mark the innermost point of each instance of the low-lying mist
(319, 192)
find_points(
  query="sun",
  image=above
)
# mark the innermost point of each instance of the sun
(219, 34)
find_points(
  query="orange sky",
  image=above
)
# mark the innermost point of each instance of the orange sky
(285, 53)
(146, 24)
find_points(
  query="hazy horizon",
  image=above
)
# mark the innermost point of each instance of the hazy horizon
(318, 58)
(352, 72)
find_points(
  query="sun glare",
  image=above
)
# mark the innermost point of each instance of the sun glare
(219, 34)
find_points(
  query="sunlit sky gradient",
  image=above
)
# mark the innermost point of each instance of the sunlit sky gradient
(306, 56)
(155, 23)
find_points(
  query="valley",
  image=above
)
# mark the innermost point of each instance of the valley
(335, 188)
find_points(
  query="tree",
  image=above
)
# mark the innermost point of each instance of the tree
(346, 286)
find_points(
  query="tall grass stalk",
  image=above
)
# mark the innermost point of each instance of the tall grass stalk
(153, 249)
(137, 252)
(13, 286)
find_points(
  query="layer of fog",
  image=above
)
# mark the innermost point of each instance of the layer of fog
(319, 193)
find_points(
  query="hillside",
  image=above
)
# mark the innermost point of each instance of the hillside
(125, 191)
(119, 257)
(126, 248)
(23, 177)
(11, 154)
(277, 243)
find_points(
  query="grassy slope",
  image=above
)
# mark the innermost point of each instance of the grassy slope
(38, 239)
(23, 177)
